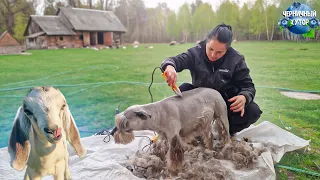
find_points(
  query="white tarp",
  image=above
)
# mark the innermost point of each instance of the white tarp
(103, 160)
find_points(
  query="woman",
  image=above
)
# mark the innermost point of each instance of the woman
(214, 64)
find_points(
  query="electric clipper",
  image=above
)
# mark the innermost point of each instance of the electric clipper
(175, 88)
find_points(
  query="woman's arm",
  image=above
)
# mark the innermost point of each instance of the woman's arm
(243, 81)
(179, 62)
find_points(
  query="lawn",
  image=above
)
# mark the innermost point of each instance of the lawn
(96, 82)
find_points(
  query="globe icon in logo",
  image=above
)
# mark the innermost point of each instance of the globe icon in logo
(299, 28)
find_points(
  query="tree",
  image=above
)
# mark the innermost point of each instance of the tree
(52, 6)
(34, 4)
(9, 8)
(195, 5)
(271, 20)
(235, 14)
(151, 26)
(172, 24)
(21, 21)
(228, 13)
(257, 21)
(156, 24)
(201, 25)
(137, 12)
(132, 13)
(161, 14)
(49, 7)
(184, 24)
(122, 12)
(244, 21)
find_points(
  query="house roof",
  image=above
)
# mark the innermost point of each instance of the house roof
(1, 36)
(92, 20)
(36, 34)
(12, 41)
(52, 25)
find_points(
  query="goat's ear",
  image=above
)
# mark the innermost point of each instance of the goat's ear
(19, 145)
(143, 114)
(73, 134)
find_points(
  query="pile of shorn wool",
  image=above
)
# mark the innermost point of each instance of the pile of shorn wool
(199, 163)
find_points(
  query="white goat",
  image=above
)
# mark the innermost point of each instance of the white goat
(39, 135)
(178, 120)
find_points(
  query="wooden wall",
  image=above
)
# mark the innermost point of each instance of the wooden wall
(10, 49)
(107, 41)
(86, 38)
(33, 28)
(77, 42)
(60, 41)
(81, 39)
(51, 41)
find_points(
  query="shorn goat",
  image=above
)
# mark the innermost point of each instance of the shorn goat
(39, 135)
(179, 120)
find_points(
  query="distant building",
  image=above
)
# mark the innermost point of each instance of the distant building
(74, 27)
(9, 45)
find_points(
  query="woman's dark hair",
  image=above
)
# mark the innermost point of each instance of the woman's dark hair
(222, 33)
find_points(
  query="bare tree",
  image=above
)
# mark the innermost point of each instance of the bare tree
(8, 9)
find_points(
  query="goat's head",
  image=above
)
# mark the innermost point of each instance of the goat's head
(45, 110)
(133, 118)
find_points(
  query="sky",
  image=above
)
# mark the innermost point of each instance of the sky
(175, 4)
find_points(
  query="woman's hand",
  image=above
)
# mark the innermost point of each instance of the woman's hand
(171, 74)
(238, 104)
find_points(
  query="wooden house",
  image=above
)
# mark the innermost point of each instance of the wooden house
(9, 45)
(74, 27)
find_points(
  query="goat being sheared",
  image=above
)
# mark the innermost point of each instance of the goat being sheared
(39, 135)
(178, 120)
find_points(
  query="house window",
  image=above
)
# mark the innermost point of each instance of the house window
(61, 38)
(81, 37)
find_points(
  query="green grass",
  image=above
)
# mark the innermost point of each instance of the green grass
(84, 76)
